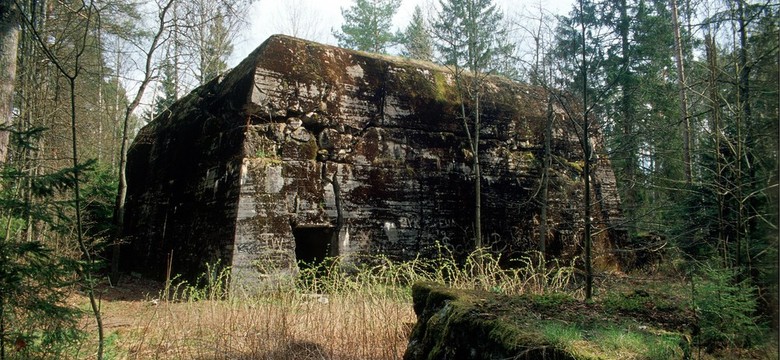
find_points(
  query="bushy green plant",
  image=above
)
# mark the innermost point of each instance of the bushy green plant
(726, 308)
(35, 319)
(211, 285)
(99, 191)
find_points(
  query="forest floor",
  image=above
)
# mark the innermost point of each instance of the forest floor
(141, 324)
(288, 325)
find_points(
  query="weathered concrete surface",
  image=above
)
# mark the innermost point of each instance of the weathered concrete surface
(349, 153)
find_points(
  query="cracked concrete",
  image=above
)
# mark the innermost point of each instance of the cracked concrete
(369, 149)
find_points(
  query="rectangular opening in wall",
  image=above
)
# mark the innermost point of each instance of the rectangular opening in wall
(312, 244)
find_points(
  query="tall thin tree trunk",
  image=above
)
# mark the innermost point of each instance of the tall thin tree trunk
(85, 273)
(747, 203)
(684, 119)
(103, 114)
(586, 171)
(26, 64)
(741, 118)
(117, 119)
(629, 133)
(477, 177)
(9, 40)
(119, 204)
(546, 180)
(715, 129)
(176, 50)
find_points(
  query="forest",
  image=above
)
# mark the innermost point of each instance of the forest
(686, 95)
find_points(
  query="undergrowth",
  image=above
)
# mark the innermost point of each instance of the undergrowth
(726, 309)
(361, 308)
(356, 308)
(480, 270)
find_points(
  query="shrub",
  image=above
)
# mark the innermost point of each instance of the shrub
(726, 309)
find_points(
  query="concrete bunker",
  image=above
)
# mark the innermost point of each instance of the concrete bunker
(302, 142)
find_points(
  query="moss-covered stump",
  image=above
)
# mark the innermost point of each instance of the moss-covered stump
(460, 324)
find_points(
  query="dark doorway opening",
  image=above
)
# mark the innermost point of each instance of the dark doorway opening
(312, 244)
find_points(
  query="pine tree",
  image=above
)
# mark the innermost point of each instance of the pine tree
(416, 40)
(168, 86)
(216, 48)
(367, 25)
(629, 52)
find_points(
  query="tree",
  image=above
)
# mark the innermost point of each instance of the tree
(212, 39)
(471, 40)
(605, 56)
(737, 187)
(537, 64)
(367, 25)
(587, 154)
(34, 310)
(68, 62)
(298, 20)
(684, 119)
(199, 37)
(416, 40)
(9, 38)
(538, 68)
(630, 81)
(202, 33)
(644, 92)
(168, 85)
(148, 73)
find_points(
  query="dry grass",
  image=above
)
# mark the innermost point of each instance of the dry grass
(283, 326)
(362, 312)
(333, 313)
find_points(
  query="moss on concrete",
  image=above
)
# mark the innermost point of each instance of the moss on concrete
(441, 90)
(462, 324)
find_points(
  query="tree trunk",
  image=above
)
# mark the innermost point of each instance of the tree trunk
(629, 136)
(684, 120)
(715, 128)
(9, 40)
(746, 217)
(119, 204)
(121, 196)
(586, 155)
(477, 178)
(546, 180)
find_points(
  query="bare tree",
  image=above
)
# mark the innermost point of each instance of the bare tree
(298, 20)
(471, 38)
(148, 74)
(538, 25)
(206, 31)
(535, 24)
